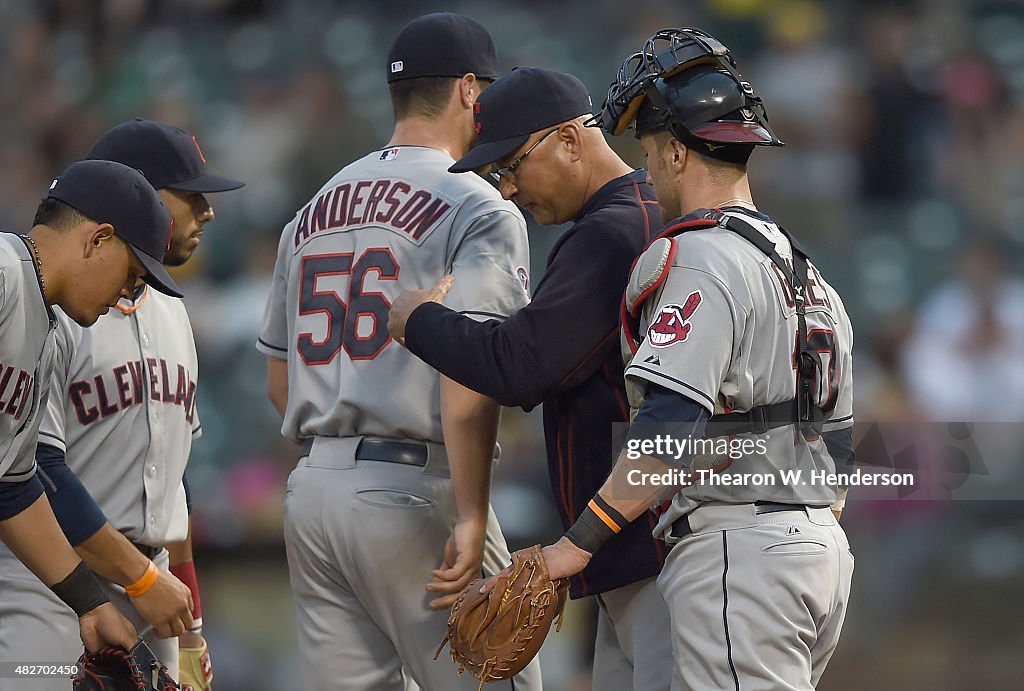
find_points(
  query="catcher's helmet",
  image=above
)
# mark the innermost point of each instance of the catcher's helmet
(686, 81)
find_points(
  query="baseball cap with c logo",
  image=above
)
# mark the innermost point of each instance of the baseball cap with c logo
(109, 192)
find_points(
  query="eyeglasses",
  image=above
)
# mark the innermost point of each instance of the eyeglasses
(501, 173)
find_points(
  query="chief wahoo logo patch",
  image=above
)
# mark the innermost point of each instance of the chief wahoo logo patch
(673, 322)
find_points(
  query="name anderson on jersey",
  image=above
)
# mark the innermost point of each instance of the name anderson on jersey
(14, 391)
(109, 393)
(389, 203)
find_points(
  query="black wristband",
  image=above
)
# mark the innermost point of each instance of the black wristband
(80, 590)
(615, 520)
(591, 529)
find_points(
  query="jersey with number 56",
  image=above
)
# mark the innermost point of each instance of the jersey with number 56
(393, 220)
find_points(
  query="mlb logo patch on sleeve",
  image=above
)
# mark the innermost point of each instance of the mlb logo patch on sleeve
(389, 154)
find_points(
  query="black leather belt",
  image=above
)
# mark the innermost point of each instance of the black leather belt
(148, 551)
(405, 452)
(386, 451)
(681, 528)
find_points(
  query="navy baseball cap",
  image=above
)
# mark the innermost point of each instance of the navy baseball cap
(168, 156)
(524, 101)
(109, 192)
(442, 45)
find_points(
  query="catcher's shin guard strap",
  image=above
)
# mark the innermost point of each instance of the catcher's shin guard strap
(596, 525)
(80, 590)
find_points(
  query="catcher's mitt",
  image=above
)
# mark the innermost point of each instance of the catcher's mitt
(496, 634)
(117, 669)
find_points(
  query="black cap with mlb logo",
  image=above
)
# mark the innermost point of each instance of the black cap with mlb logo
(442, 45)
(109, 192)
(168, 156)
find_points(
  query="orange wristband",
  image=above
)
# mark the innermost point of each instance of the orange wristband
(142, 586)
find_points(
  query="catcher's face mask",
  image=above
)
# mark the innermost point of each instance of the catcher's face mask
(686, 81)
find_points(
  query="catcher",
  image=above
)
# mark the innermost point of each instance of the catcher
(733, 336)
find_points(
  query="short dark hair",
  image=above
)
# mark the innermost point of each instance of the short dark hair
(426, 96)
(55, 214)
(723, 171)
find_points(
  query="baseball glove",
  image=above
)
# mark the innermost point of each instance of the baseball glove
(117, 669)
(495, 635)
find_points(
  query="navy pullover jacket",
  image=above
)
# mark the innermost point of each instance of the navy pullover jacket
(562, 350)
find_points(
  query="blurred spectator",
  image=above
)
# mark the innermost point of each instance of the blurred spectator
(810, 81)
(965, 360)
(898, 115)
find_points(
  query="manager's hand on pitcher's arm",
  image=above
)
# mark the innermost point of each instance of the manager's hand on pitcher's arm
(406, 303)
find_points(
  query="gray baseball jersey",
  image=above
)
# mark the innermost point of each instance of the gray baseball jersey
(122, 408)
(723, 290)
(721, 330)
(26, 358)
(394, 220)
(393, 213)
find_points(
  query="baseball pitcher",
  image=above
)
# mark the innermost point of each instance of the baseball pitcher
(395, 478)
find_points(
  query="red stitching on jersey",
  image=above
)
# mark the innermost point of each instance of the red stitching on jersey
(568, 442)
(618, 390)
(566, 504)
(643, 212)
(614, 332)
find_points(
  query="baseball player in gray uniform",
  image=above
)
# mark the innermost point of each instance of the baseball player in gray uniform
(100, 227)
(725, 319)
(395, 480)
(562, 348)
(116, 435)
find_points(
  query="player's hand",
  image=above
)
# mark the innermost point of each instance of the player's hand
(463, 555)
(563, 559)
(167, 606)
(409, 300)
(105, 627)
